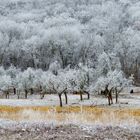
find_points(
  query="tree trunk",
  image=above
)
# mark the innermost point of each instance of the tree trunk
(111, 98)
(18, 94)
(32, 91)
(66, 97)
(116, 97)
(60, 99)
(109, 95)
(14, 91)
(26, 94)
(109, 101)
(42, 95)
(7, 94)
(81, 95)
(136, 70)
(40, 88)
(88, 95)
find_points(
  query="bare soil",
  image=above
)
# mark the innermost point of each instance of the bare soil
(67, 132)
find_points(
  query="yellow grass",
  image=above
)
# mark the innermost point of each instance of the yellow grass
(80, 114)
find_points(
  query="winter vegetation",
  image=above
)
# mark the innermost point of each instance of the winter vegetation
(36, 33)
(75, 52)
(81, 80)
(59, 47)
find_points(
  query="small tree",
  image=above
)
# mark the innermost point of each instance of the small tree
(81, 80)
(58, 84)
(5, 83)
(44, 81)
(12, 72)
(115, 80)
(54, 67)
(118, 82)
(25, 80)
(38, 82)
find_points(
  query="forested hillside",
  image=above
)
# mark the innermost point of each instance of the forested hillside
(69, 69)
(90, 40)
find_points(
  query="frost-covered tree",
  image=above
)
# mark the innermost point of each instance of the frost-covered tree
(113, 81)
(109, 76)
(58, 85)
(25, 81)
(54, 67)
(41, 41)
(13, 72)
(38, 33)
(5, 83)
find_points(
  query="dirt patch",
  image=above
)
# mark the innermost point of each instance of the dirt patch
(66, 132)
(45, 133)
(116, 133)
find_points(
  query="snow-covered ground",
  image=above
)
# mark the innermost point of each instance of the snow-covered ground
(34, 125)
(43, 131)
(125, 100)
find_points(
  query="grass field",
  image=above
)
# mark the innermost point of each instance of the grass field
(90, 119)
(72, 114)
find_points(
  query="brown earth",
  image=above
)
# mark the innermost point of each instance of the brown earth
(67, 132)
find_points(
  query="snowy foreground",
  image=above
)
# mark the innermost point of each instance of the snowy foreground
(42, 131)
(37, 127)
(125, 100)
